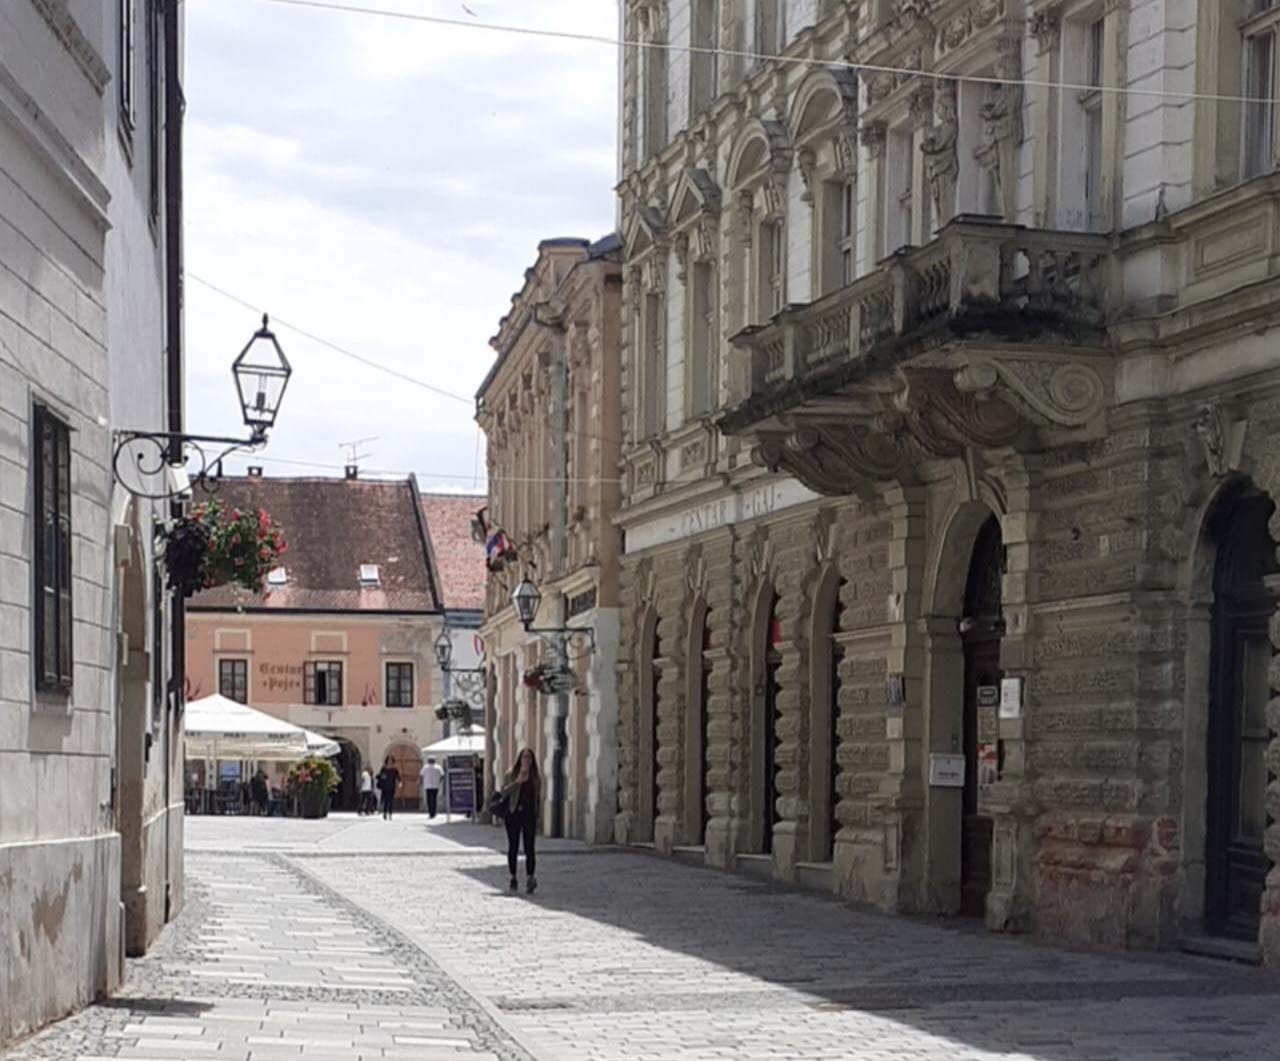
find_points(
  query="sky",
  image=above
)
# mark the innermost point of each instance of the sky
(381, 184)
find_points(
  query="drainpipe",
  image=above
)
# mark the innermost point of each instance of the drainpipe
(174, 105)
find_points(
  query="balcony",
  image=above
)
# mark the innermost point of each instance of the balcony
(990, 324)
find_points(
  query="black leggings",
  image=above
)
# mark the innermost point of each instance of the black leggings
(518, 826)
(388, 798)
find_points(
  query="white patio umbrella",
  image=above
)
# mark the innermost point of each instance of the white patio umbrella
(220, 728)
(458, 744)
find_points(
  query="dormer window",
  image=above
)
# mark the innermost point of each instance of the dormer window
(369, 575)
(278, 576)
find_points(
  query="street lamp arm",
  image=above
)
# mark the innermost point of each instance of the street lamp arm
(150, 451)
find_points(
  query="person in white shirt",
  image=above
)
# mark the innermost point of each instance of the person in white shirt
(431, 776)
(366, 792)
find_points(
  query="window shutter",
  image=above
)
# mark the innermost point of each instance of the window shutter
(65, 666)
(308, 683)
(335, 684)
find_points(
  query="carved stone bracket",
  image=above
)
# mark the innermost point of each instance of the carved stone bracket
(1046, 27)
(945, 420)
(1066, 394)
(873, 135)
(1221, 439)
(833, 459)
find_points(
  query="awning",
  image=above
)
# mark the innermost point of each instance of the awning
(220, 728)
(458, 744)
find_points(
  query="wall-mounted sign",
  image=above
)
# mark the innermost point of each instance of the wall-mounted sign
(988, 763)
(988, 724)
(988, 695)
(1011, 698)
(895, 691)
(946, 771)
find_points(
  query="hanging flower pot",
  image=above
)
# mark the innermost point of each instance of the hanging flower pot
(551, 679)
(217, 547)
(458, 711)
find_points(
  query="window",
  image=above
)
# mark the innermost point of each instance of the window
(773, 271)
(153, 104)
(838, 223)
(702, 339)
(322, 683)
(702, 59)
(1259, 31)
(1091, 105)
(399, 684)
(902, 201)
(128, 18)
(653, 65)
(233, 679)
(369, 575)
(652, 358)
(53, 618)
(278, 576)
(770, 32)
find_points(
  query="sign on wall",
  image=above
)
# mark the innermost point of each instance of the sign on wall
(946, 771)
(460, 784)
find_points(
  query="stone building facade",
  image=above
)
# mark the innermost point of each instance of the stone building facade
(957, 595)
(570, 299)
(90, 738)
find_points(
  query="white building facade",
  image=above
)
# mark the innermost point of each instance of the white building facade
(950, 398)
(90, 789)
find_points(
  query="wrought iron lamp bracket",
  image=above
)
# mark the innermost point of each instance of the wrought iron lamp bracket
(148, 453)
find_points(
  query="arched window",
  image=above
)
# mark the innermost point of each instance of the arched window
(833, 732)
(769, 743)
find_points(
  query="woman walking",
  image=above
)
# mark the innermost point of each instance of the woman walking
(388, 784)
(521, 791)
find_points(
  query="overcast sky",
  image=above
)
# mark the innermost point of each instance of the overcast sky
(382, 184)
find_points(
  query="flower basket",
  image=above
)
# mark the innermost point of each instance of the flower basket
(456, 710)
(550, 679)
(311, 782)
(214, 547)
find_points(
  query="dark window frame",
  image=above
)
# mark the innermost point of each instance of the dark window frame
(127, 92)
(151, 12)
(227, 674)
(401, 684)
(316, 672)
(52, 563)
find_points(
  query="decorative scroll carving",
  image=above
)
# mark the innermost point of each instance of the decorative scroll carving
(806, 160)
(944, 420)
(873, 135)
(1046, 27)
(846, 152)
(920, 106)
(1057, 394)
(1211, 428)
(942, 162)
(833, 459)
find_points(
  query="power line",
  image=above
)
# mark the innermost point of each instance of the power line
(368, 361)
(329, 343)
(793, 60)
(325, 466)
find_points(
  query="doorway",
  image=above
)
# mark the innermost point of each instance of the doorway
(704, 728)
(348, 763)
(769, 746)
(1236, 818)
(981, 628)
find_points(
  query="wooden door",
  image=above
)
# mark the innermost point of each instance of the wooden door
(1235, 864)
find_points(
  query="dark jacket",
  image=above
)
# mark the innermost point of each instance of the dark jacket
(388, 780)
(520, 802)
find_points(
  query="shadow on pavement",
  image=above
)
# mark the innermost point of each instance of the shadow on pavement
(903, 968)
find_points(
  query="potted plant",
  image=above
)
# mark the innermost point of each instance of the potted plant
(215, 546)
(551, 678)
(457, 710)
(312, 781)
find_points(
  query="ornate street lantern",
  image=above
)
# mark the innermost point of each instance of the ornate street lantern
(262, 373)
(526, 599)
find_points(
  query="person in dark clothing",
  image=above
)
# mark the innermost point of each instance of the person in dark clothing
(388, 785)
(258, 791)
(521, 790)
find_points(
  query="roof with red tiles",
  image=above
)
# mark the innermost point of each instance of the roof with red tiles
(332, 527)
(459, 559)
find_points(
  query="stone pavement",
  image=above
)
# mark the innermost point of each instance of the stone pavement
(356, 939)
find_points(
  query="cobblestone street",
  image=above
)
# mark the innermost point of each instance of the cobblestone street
(356, 939)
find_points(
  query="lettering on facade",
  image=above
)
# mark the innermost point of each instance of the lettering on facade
(280, 677)
(711, 515)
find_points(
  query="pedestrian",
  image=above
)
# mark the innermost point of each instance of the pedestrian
(388, 786)
(431, 775)
(521, 791)
(366, 803)
(258, 791)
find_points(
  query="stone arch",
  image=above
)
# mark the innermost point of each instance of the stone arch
(647, 789)
(944, 670)
(823, 713)
(762, 148)
(825, 102)
(407, 757)
(696, 707)
(760, 815)
(1197, 590)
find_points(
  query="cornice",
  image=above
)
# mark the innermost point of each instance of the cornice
(71, 36)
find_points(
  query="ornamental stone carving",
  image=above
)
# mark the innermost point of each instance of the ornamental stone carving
(873, 135)
(1046, 27)
(1052, 394)
(942, 162)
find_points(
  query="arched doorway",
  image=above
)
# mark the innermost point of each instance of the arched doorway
(698, 720)
(767, 764)
(647, 731)
(1239, 687)
(824, 723)
(348, 763)
(981, 628)
(408, 760)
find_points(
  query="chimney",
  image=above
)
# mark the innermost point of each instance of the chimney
(352, 471)
(255, 471)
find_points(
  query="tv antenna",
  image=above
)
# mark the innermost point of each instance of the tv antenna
(354, 456)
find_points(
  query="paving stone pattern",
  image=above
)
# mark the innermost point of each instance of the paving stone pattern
(358, 940)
